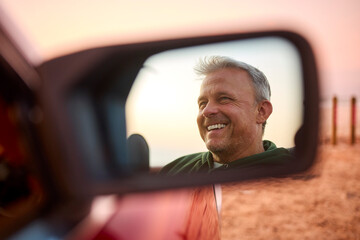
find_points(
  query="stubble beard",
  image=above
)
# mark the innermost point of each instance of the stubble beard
(216, 148)
(219, 151)
(224, 150)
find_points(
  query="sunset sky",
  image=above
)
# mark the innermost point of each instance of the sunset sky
(54, 28)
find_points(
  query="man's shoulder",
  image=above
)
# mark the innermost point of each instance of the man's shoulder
(272, 155)
(277, 155)
(187, 163)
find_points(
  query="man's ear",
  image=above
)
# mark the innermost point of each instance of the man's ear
(264, 110)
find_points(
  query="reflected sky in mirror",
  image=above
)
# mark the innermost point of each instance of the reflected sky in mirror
(162, 105)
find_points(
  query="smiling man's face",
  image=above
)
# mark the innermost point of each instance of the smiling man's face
(228, 119)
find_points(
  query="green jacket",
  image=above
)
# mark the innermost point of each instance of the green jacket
(203, 161)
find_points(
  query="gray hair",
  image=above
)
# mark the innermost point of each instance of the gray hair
(259, 81)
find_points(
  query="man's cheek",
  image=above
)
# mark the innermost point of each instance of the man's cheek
(202, 133)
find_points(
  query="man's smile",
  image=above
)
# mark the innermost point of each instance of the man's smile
(216, 126)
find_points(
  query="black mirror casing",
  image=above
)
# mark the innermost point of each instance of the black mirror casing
(72, 82)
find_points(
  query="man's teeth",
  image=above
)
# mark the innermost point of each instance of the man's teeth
(215, 126)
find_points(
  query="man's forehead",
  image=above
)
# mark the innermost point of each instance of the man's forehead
(230, 76)
(228, 81)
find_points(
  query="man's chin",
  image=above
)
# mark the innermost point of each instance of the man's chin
(214, 148)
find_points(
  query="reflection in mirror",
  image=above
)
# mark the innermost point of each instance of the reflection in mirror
(163, 103)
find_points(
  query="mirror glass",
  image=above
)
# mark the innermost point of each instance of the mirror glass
(162, 104)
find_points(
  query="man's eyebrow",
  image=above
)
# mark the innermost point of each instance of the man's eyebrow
(217, 94)
(223, 93)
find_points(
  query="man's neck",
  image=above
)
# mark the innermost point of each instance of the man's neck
(225, 157)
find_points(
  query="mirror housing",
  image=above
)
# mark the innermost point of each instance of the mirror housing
(105, 170)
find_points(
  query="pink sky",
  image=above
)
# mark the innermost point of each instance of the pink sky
(52, 28)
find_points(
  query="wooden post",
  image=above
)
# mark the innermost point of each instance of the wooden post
(353, 121)
(334, 120)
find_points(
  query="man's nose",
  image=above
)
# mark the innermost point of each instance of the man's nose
(210, 109)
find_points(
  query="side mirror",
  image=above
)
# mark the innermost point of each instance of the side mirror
(84, 96)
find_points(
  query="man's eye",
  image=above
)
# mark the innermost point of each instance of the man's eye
(202, 105)
(224, 99)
